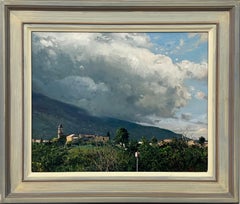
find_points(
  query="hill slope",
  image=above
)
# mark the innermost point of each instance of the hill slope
(48, 113)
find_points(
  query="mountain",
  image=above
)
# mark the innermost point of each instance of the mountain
(48, 113)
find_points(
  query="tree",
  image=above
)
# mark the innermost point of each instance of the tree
(133, 146)
(122, 136)
(144, 141)
(108, 135)
(201, 140)
(154, 140)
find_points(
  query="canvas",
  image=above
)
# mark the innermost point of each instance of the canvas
(114, 101)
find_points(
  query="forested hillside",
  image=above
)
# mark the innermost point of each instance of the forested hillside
(48, 113)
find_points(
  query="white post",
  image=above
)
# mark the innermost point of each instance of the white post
(137, 155)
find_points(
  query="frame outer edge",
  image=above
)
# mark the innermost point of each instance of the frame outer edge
(2, 103)
(235, 95)
(3, 100)
(237, 100)
(131, 3)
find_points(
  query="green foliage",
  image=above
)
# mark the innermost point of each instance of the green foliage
(133, 146)
(122, 136)
(154, 140)
(52, 158)
(108, 134)
(176, 155)
(201, 140)
(47, 157)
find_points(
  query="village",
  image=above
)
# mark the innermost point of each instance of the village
(76, 139)
(73, 139)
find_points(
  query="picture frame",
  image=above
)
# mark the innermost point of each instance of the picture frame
(220, 18)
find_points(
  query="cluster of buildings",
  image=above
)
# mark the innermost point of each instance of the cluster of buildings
(83, 138)
(75, 138)
(190, 142)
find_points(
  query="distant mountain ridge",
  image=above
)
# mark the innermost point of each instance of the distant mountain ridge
(48, 113)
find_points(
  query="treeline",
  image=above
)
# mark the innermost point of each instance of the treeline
(119, 155)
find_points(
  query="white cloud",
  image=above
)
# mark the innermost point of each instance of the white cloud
(181, 42)
(190, 128)
(46, 43)
(179, 46)
(201, 95)
(135, 39)
(201, 132)
(202, 38)
(113, 74)
(186, 116)
(74, 87)
(193, 70)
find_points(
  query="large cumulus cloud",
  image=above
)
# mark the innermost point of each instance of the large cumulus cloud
(111, 74)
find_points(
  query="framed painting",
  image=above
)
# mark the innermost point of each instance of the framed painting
(119, 101)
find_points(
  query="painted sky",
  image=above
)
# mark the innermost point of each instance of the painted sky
(157, 79)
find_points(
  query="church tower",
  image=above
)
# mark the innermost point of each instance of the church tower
(60, 131)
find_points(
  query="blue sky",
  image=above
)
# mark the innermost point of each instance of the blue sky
(181, 46)
(192, 47)
(157, 79)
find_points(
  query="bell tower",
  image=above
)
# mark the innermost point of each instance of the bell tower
(60, 131)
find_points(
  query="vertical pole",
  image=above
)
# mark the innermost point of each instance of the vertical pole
(136, 163)
(136, 155)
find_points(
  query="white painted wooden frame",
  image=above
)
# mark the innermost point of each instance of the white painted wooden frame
(220, 18)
